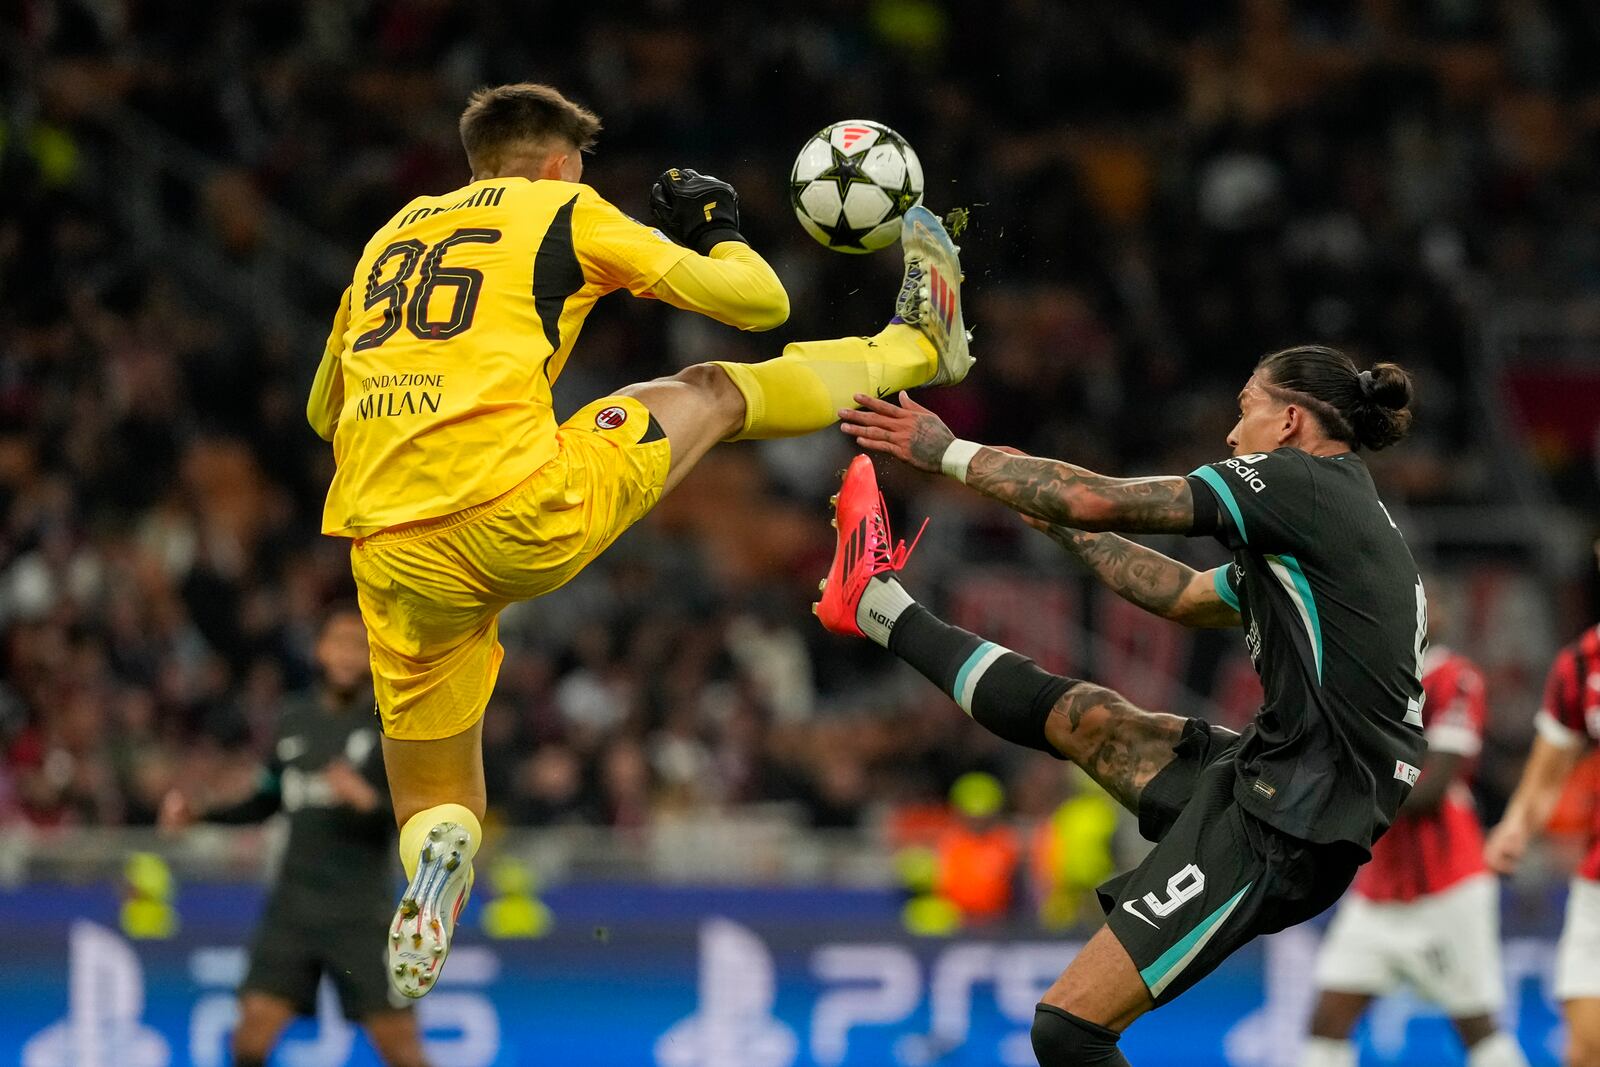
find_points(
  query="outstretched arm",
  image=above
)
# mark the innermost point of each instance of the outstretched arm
(1142, 576)
(1059, 492)
(1048, 489)
(724, 278)
(1159, 584)
(732, 284)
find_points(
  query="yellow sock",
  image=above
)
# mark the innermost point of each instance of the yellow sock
(804, 389)
(415, 831)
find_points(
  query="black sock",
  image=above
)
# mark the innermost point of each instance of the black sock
(1007, 694)
(1061, 1039)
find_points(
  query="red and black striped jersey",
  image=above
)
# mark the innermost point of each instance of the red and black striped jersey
(1569, 715)
(1428, 853)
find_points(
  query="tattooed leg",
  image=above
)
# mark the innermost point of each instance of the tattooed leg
(1121, 746)
(1007, 694)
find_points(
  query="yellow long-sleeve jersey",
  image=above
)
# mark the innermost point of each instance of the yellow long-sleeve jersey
(435, 384)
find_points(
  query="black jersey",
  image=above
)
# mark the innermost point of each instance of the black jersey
(1335, 621)
(339, 862)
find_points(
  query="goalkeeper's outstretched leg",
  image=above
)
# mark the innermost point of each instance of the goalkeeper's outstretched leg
(804, 389)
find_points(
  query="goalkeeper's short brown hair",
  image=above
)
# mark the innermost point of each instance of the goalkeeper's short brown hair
(504, 117)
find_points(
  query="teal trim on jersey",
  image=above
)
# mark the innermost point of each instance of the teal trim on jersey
(960, 688)
(1299, 590)
(1210, 476)
(1219, 578)
(1171, 963)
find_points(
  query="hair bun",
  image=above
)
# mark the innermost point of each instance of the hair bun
(1391, 386)
(1384, 416)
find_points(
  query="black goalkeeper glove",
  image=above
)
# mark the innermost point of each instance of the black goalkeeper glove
(695, 209)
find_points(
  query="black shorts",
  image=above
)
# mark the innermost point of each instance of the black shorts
(290, 956)
(1218, 876)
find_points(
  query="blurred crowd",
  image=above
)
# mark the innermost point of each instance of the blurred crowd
(1159, 194)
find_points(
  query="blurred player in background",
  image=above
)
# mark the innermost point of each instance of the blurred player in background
(331, 902)
(1254, 832)
(1567, 725)
(1425, 911)
(461, 493)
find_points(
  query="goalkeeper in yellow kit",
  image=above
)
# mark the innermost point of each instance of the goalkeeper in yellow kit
(459, 490)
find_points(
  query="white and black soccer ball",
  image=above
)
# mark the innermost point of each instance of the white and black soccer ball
(852, 182)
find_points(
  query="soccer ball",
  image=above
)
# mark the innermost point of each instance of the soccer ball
(852, 182)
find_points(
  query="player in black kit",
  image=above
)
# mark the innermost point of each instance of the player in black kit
(1257, 831)
(329, 911)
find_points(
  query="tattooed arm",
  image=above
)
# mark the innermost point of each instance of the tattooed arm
(1046, 489)
(1157, 583)
(1062, 493)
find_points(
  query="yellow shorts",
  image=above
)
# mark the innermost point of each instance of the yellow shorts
(431, 592)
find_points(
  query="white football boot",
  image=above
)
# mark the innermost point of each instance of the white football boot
(425, 921)
(930, 293)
